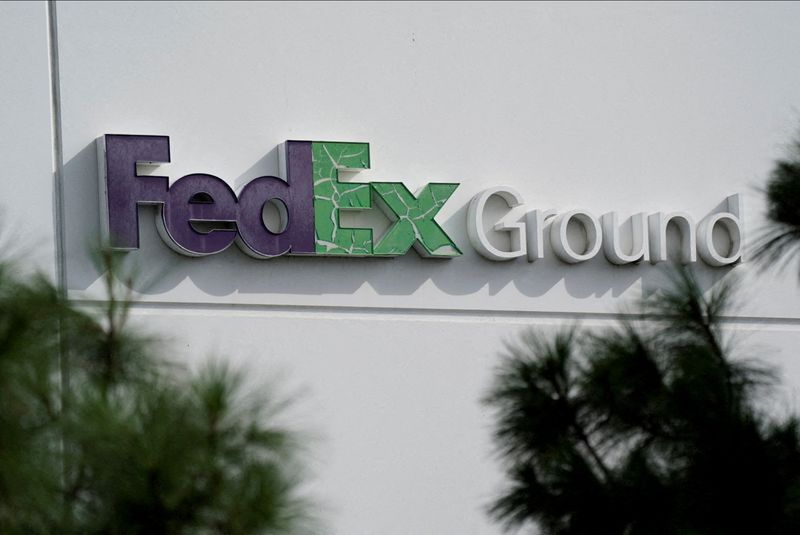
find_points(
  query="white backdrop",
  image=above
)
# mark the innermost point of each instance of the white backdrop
(621, 107)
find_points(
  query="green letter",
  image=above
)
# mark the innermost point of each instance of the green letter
(330, 196)
(414, 220)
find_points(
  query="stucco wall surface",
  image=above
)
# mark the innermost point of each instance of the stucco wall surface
(625, 107)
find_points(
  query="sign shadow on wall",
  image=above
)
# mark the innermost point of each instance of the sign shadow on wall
(159, 270)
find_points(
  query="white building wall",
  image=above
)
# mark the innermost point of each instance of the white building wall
(606, 107)
(26, 146)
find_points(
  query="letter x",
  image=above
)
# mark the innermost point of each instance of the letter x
(414, 224)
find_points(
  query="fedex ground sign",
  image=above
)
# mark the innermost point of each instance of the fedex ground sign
(201, 215)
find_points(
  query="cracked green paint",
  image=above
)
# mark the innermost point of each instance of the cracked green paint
(414, 223)
(332, 196)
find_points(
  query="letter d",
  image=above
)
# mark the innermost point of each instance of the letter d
(296, 197)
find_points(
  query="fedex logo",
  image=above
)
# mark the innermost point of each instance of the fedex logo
(199, 214)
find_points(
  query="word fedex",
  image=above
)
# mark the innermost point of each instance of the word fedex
(199, 214)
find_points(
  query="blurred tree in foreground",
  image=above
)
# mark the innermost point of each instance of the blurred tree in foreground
(781, 240)
(132, 445)
(652, 427)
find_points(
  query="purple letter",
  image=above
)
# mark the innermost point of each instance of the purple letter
(199, 217)
(297, 197)
(122, 189)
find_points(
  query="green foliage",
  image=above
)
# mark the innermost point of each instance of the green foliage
(781, 240)
(29, 405)
(650, 427)
(120, 442)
